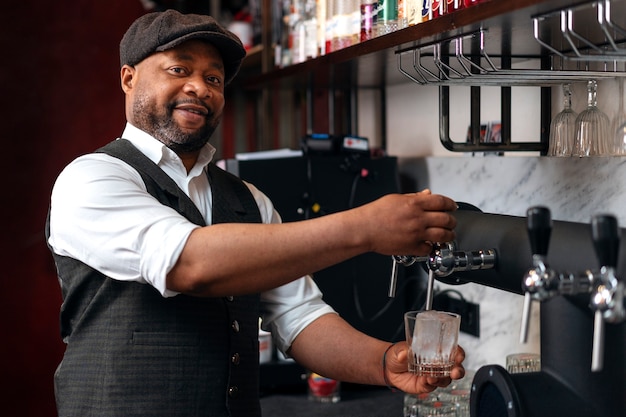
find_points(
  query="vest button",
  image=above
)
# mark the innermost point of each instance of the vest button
(235, 358)
(235, 326)
(233, 391)
(230, 298)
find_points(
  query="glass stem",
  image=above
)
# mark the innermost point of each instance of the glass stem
(592, 93)
(621, 96)
(567, 97)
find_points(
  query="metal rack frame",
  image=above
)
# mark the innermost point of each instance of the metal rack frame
(445, 63)
(592, 50)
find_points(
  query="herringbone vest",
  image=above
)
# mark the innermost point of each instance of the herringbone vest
(132, 352)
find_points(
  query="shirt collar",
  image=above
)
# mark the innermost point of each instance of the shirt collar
(160, 154)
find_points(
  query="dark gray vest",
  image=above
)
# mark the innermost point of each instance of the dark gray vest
(131, 352)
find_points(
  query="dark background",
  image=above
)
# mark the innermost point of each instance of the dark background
(60, 98)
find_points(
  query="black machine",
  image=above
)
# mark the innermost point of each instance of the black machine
(572, 269)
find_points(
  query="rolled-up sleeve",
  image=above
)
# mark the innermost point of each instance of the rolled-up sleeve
(115, 226)
(288, 309)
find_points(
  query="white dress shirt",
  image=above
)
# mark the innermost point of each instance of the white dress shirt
(102, 215)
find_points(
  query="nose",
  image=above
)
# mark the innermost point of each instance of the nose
(197, 85)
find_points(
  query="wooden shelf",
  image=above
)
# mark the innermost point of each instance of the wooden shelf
(319, 94)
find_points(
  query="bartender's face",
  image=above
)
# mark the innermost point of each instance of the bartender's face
(177, 95)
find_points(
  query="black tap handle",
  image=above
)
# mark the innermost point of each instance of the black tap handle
(605, 235)
(539, 229)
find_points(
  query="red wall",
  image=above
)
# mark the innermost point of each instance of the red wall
(60, 98)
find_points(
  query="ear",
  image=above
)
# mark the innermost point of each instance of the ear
(127, 73)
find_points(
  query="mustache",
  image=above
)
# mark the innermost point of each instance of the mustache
(209, 112)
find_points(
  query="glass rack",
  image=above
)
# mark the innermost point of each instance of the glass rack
(578, 48)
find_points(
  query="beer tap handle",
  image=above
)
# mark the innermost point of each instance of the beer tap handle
(397, 260)
(604, 232)
(539, 230)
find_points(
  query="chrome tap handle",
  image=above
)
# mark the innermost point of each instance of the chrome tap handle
(605, 235)
(393, 282)
(406, 260)
(597, 350)
(525, 325)
(539, 229)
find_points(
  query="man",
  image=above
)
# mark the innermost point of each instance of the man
(166, 262)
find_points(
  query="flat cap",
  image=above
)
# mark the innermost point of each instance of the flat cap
(160, 31)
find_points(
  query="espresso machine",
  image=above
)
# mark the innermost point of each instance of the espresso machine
(574, 271)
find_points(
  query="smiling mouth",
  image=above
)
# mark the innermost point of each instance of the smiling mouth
(201, 111)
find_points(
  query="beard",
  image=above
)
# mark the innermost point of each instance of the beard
(160, 124)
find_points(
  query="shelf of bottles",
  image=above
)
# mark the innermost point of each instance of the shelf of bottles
(307, 29)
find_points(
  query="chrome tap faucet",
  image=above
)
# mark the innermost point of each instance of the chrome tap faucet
(539, 283)
(442, 261)
(606, 291)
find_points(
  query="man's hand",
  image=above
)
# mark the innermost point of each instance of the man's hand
(406, 223)
(397, 373)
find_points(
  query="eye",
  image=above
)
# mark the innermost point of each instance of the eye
(215, 80)
(177, 70)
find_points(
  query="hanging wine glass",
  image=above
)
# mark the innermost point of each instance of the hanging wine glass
(563, 127)
(618, 127)
(592, 127)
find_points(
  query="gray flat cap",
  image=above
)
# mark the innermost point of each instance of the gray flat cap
(160, 31)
